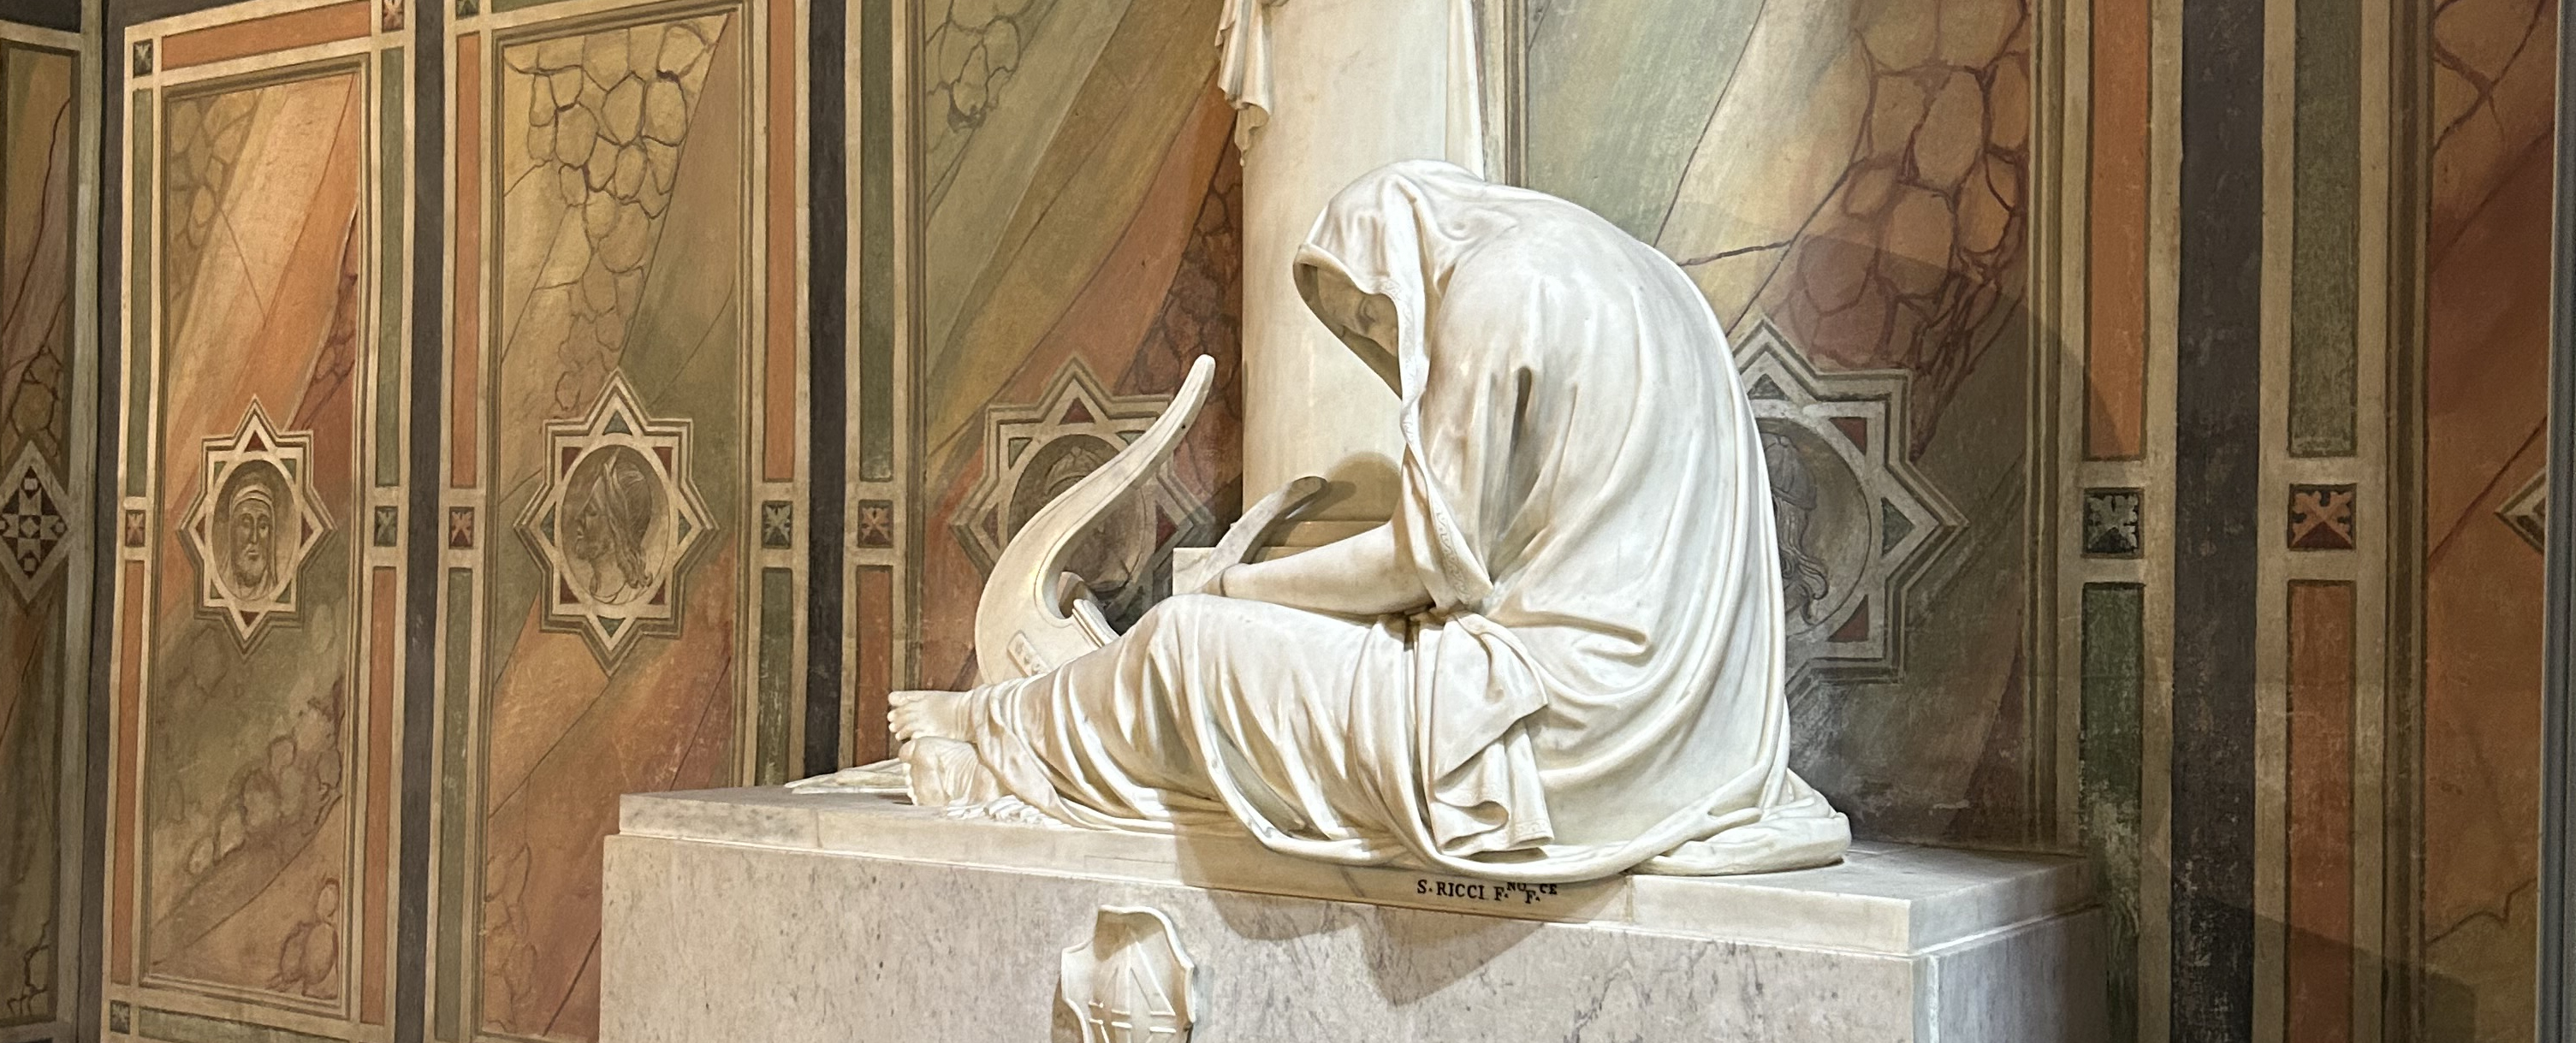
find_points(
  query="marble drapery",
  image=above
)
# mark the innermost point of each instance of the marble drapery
(1561, 659)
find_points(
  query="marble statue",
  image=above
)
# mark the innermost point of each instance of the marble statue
(1561, 659)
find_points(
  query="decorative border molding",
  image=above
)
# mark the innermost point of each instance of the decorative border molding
(2555, 1016)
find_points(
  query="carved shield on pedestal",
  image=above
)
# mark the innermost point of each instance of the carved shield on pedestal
(1131, 983)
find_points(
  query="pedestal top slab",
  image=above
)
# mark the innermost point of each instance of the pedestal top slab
(1883, 898)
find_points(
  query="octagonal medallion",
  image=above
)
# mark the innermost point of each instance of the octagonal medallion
(616, 523)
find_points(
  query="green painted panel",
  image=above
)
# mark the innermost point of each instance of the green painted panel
(2114, 682)
(139, 257)
(876, 247)
(2325, 230)
(390, 348)
(777, 670)
(454, 892)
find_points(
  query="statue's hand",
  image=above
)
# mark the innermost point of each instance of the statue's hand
(1245, 536)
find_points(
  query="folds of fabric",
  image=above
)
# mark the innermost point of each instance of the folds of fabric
(1597, 684)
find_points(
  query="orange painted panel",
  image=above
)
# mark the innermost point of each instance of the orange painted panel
(2115, 363)
(2320, 958)
(869, 741)
(347, 21)
(464, 386)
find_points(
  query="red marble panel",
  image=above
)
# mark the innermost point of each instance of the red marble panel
(869, 741)
(317, 25)
(2115, 360)
(2320, 957)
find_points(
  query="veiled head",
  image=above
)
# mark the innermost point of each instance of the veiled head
(1371, 267)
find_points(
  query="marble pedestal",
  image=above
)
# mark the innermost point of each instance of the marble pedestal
(756, 914)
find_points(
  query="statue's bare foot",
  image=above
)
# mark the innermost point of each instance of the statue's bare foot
(916, 715)
(886, 776)
(947, 773)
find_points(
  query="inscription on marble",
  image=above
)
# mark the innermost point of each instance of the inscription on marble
(1487, 891)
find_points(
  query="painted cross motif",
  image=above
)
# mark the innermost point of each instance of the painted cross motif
(2111, 523)
(254, 523)
(616, 522)
(777, 524)
(876, 523)
(2321, 517)
(35, 524)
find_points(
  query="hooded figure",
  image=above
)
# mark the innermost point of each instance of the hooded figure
(1560, 660)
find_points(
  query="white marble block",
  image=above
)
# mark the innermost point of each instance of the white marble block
(757, 914)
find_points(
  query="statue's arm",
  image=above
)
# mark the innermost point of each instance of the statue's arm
(1361, 575)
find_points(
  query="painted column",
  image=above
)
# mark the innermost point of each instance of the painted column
(1329, 90)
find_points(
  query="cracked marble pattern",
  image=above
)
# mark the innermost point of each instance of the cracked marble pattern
(970, 51)
(38, 117)
(606, 117)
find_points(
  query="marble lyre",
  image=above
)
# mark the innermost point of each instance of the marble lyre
(1561, 659)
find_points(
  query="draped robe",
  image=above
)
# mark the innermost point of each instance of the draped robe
(1593, 682)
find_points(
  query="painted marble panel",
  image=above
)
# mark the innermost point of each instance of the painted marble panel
(613, 620)
(38, 131)
(2485, 369)
(1852, 175)
(246, 856)
(1083, 244)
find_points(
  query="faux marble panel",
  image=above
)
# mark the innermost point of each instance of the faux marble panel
(1083, 204)
(1854, 175)
(246, 852)
(615, 592)
(2486, 317)
(39, 119)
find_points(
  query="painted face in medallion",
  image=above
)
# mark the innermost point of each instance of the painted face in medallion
(247, 522)
(614, 509)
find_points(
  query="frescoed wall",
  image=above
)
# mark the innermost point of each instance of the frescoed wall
(47, 356)
(1080, 244)
(2485, 369)
(254, 781)
(1848, 183)
(2151, 393)
(623, 468)
(2108, 317)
